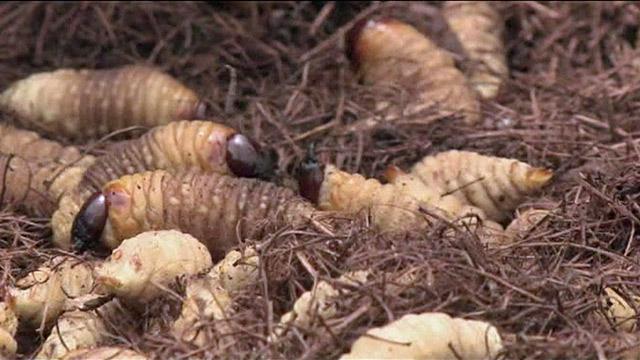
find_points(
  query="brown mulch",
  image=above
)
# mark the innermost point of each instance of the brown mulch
(278, 72)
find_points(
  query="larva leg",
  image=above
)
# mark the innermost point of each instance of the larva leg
(91, 103)
(388, 51)
(479, 29)
(495, 185)
(230, 208)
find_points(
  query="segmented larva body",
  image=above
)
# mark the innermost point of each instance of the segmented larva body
(479, 29)
(36, 187)
(203, 145)
(218, 210)
(388, 51)
(428, 336)
(390, 208)
(77, 330)
(495, 185)
(31, 147)
(90, 103)
(177, 145)
(105, 353)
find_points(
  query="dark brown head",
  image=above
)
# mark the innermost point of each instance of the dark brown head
(246, 158)
(89, 223)
(310, 176)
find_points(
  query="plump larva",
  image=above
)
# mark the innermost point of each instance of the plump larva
(313, 308)
(429, 336)
(200, 145)
(495, 185)
(180, 145)
(91, 103)
(388, 51)
(39, 298)
(79, 330)
(478, 27)
(618, 312)
(8, 328)
(218, 210)
(390, 207)
(35, 187)
(105, 353)
(209, 298)
(31, 147)
(140, 269)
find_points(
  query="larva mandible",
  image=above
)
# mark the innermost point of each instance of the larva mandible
(388, 51)
(479, 29)
(90, 103)
(495, 185)
(329, 188)
(203, 145)
(216, 209)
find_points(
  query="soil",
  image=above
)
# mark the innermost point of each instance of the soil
(278, 71)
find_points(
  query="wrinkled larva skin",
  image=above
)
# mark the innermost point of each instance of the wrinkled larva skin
(105, 353)
(208, 298)
(39, 297)
(139, 270)
(429, 336)
(178, 145)
(78, 330)
(36, 187)
(8, 328)
(91, 103)
(216, 209)
(390, 208)
(315, 307)
(31, 147)
(479, 28)
(388, 51)
(495, 185)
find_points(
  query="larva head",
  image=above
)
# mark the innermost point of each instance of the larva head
(246, 158)
(89, 223)
(359, 41)
(310, 176)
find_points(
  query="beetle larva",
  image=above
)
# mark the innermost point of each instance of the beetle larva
(388, 51)
(31, 147)
(203, 145)
(216, 209)
(90, 103)
(35, 187)
(495, 185)
(179, 145)
(479, 30)
(390, 208)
